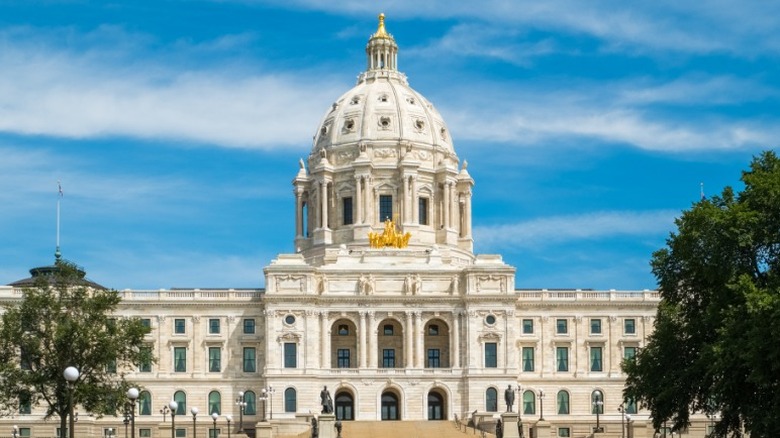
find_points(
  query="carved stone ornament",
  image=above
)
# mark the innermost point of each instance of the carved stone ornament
(385, 153)
(288, 337)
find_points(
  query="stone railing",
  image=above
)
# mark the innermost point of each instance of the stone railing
(585, 295)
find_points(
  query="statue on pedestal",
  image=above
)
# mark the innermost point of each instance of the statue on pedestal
(509, 398)
(326, 401)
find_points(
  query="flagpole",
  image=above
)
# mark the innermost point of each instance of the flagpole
(57, 253)
(701, 191)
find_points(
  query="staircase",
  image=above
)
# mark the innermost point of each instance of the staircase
(403, 429)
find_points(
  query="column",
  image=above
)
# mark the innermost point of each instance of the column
(455, 336)
(370, 332)
(298, 215)
(359, 199)
(362, 347)
(368, 206)
(446, 203)
(324, 199)
(415, 204)
(467, 212)
(454, 211)
(324, 341)
(408, 352)
(407, 198)
(419, 339)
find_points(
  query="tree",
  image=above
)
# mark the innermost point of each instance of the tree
(716, 344)
(62, 321)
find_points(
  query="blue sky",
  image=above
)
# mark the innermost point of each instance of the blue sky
(176, 127)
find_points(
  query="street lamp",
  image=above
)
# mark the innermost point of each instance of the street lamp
(241, 405)
(16, 431)
(229, 418)
(126, 421)
(628, 425)
(598, 404)
(172, 405)
(263, 397)
(132, 395)
(194, 410)
(541, 405)
(214, 417)
(622, 411)
(270, 392)
(164, 411)
(71, 374)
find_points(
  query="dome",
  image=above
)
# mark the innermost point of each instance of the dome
(382, 106)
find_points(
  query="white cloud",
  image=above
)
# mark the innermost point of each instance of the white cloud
(542, 232)
(53, 92)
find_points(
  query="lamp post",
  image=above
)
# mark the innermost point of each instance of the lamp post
(214, 417)
(270, 394)
(541, 405)
(628, 425)
(597, 405)
(16, 431)
(71, 374)
(126, 421)
(132, 395)
(172, 405)
(164, 411)
(229, 418)
(263, 397)
(194, 411)
(241, 405)
(622, 411)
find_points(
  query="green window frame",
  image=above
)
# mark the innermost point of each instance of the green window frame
(562, 359)
(528, 359)
(596, 359)
(215, 359)
(180, 359)
(250, 360)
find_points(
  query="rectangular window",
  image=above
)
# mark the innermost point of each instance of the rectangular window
(342, 356)
(145, 433)
(595, 326)
(564, 432)
(249, 326)
(562, 358)
(181, 433)
(434, 358)
(388, 358)
(290, 355)
(25, 407)
(385, 207)
(561, 326)
(491, 355)
(146, 322)
(388, 330)
(180, 359)
(249, 360)
(346, 204)
(214, 326)
(595, 359)
(629, 352)
(528, 358)
(630, 406)
(178, 326)
(629, 326)
(24, 432)
(146, 364)
(213, 433)
(215, 359)
(528, 326)
(423, 211)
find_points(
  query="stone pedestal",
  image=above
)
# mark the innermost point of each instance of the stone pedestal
(263, 430)
(327, 426)
(636, 429)
(542, 429)
(509, 422)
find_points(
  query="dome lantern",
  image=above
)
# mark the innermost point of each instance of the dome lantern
(381, 50)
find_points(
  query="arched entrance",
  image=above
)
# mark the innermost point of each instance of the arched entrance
(345, 406)
(390, 408)
(436, 406)
(343, 344)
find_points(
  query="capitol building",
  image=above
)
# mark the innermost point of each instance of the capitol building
(384, 302)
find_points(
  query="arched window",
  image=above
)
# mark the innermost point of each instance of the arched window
(630, 404)
(215, 402)
(597, 402)
(290, 400)
(491, 400)
(563, 403)
(251, 403)
(529, 402)
(145, 403)
(181, 398)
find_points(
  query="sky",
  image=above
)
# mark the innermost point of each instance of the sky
(175, 127)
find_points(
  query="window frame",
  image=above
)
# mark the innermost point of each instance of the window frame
(596, 358)
(179, 356)
(215, 359)
(214, 326)
(528, 359)
(423, 216)
(595, 326)
(561, 326)
(290, 355)
(561, 362)
(528, 326)
(250, 326)
(179, 326)
(346, 209)
(626, 325)
(490, 350)
(385, 203)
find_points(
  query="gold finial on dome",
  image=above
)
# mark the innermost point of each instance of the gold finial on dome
(380, 31)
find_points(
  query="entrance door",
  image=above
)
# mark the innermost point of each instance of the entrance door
(435, 406)
(344, 406)
(390, 406)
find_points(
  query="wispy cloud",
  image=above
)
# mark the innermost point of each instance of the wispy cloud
(48, 90)
(546, 231)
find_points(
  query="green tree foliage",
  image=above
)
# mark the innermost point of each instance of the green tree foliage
(716, 344)
(62, 322)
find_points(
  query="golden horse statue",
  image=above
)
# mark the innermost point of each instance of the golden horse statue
(389, 237)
